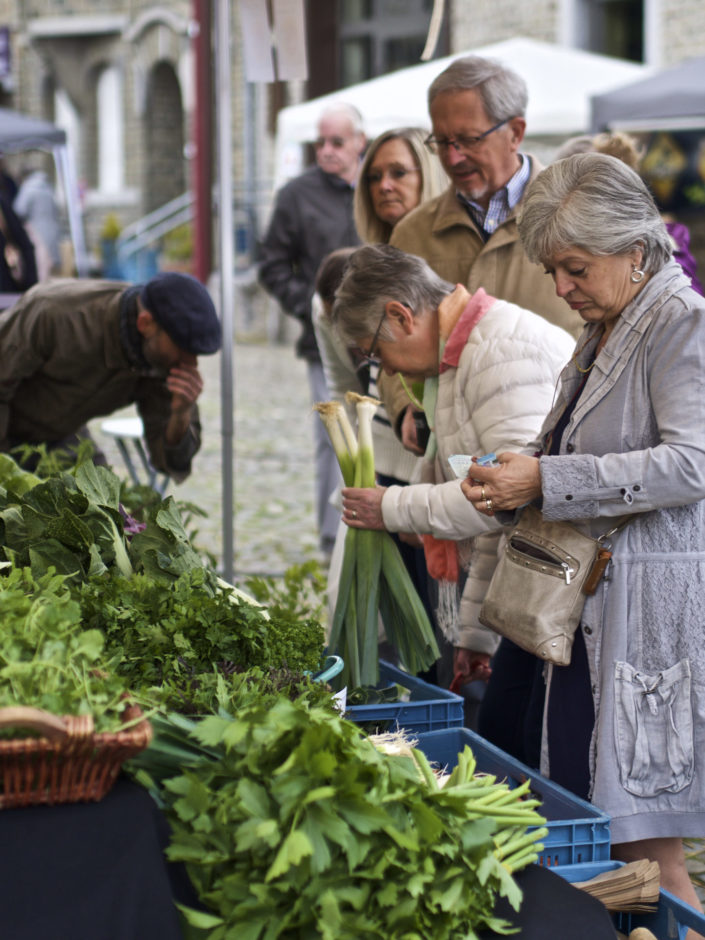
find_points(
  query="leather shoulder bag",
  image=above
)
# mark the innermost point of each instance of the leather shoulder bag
(538, 589)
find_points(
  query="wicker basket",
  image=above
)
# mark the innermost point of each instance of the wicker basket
(69, 763)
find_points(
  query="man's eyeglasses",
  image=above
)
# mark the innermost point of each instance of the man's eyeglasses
(336, 142)
(460, 143)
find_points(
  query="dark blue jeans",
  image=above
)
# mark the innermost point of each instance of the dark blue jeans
(511, 713)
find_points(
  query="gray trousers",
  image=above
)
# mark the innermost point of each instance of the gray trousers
(328, 477)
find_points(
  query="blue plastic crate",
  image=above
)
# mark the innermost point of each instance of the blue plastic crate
(428, 708)
(577, 830)
(670, 921)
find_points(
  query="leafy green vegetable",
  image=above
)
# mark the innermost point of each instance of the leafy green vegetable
(292, 824)
(13, 478)
(163, 550)
(47, 658)
(176, 631)
(70, 522)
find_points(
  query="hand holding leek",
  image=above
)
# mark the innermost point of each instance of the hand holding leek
(362, 507)
(373, 578)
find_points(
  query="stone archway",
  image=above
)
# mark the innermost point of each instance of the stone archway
(165, 176)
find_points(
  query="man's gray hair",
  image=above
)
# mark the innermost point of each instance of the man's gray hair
(344, 109)
(376, 274)
(503, 93)
(594, 202)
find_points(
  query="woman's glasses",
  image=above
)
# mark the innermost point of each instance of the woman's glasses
(369, 358)
(375, 177)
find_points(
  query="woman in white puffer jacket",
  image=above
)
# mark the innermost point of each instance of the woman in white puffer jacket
(490, 370)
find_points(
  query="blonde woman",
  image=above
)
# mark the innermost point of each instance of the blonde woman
(397, 174)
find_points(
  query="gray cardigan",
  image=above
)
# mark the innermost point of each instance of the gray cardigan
(635, 443)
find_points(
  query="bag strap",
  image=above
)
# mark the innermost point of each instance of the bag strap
(624, 521)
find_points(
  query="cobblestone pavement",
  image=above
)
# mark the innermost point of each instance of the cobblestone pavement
(273, 520)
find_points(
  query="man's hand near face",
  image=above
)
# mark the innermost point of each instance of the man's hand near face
(185, 383)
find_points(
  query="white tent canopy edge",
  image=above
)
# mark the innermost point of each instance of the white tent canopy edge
(560, 81)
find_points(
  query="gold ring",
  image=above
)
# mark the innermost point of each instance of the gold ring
(488, 503)
(482, 493)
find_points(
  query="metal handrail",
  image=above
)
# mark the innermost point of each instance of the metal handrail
(150, 227)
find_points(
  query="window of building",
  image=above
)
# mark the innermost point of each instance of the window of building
(611, 27)
(380, 36)
(110, 131)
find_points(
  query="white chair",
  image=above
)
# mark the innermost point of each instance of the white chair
(129, 433)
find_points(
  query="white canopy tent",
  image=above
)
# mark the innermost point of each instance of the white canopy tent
(560, 80)
(20, 132)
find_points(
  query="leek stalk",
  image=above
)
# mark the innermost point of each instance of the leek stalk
(373, 577)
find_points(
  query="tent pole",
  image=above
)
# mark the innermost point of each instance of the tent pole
(63, 159)
(225, 224)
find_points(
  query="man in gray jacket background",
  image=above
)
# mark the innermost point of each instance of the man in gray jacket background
(312, 216)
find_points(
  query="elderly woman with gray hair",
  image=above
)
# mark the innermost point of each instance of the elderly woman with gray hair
(490, 369)
(626, 437)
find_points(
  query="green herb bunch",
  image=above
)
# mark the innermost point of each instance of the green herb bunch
(299, 594)
(173, 633)
(227, 692)
(47, 659)
(292, 824)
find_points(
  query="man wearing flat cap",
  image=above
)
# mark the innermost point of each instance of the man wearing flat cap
(72, 350)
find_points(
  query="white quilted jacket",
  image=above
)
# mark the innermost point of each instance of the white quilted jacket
(496, 385)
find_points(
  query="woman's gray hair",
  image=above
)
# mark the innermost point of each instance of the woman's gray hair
(594, 202)
(503, 93)
(434, 181)
(376, 274)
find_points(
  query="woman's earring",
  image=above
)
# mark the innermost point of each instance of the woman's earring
(637, 275)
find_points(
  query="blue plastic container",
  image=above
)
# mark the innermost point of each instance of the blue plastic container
(577, 830)
(428, 708)
(670, 921)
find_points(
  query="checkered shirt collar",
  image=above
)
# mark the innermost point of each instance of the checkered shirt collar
(502, 202)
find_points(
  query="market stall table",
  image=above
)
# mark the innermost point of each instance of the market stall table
(89, 871)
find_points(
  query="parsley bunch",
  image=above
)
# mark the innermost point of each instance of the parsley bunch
(47, 658)
(292, 824)
(172, 633)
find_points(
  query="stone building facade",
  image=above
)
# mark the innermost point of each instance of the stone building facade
(120, 75)
(117, 77)
(658, 32)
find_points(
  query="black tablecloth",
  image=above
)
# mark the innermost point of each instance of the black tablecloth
(96, 871)
(553, 909)
(89, 871)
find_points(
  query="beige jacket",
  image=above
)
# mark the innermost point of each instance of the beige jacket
(442, 232)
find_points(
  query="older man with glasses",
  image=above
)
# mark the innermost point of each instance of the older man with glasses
(312, 216)
(468, 234)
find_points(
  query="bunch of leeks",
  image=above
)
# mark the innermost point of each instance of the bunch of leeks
(374, 581)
